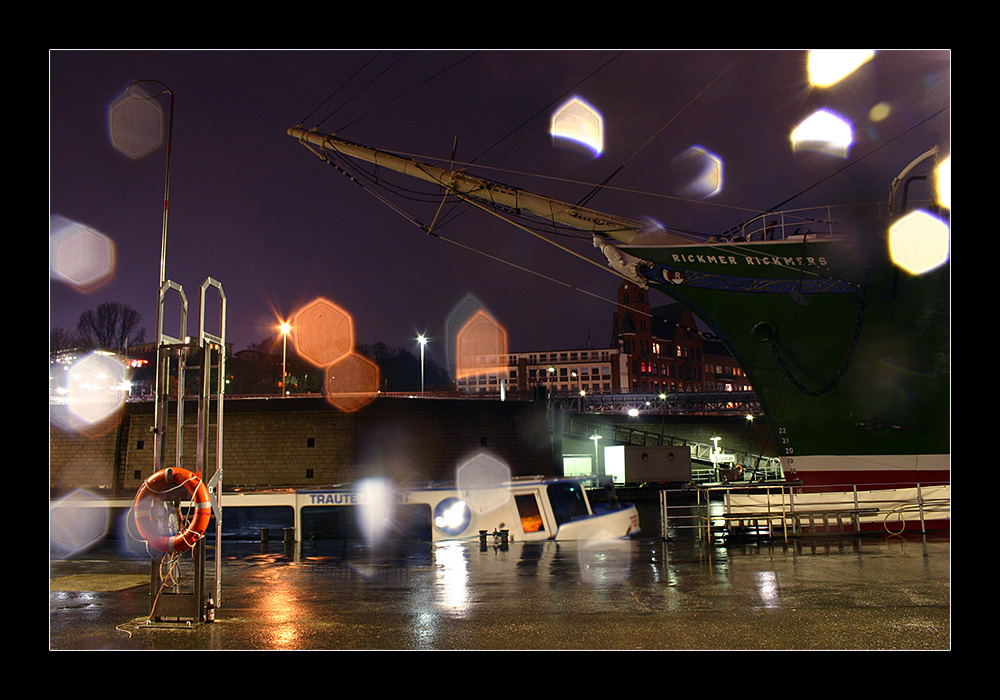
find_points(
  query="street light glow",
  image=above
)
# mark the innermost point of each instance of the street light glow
(422, 339)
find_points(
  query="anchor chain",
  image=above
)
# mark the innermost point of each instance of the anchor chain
(769, 337)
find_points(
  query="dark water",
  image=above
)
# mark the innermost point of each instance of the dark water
(878, 592)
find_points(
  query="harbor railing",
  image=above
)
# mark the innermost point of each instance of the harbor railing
(782, 512)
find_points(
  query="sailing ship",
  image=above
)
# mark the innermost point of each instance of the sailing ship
(847, 352)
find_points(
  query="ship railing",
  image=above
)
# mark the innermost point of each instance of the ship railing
(783, 511)
(797, 224)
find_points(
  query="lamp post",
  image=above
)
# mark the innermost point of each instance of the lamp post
(423, 343)
(285, 328)
(597, 454)
(160, 376)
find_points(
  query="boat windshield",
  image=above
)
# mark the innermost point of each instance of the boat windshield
(568, 502)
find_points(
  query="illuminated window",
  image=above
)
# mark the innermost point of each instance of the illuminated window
(527, 509)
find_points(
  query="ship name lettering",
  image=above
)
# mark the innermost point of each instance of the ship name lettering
(751, 260)
(720, 259)
(333, 499)
(347, 498)
(789, 262)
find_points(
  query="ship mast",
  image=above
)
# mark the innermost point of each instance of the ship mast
(470, 187)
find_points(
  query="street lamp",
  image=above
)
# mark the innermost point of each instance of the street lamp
(285, 328)
(597, 455)
(423, 343)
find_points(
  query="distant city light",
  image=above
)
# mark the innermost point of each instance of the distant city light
(579, 122)
(824, 132)
(829, 66)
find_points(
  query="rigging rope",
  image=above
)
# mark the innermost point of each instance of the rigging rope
(342, 85)
(617, 170)
(407, 91)
(343, 170)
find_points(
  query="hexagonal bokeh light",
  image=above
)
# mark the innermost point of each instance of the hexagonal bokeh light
(919, 242)
(829, 66)
(77, 521)
(79, 255)
(482, 481)
(135, 124)
(824, 132)
(88, 393)
(352, 382)
(703, 171)
(480, 347)
(324, 332)
(580, 123)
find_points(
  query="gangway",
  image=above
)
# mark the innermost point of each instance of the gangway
(756, 467)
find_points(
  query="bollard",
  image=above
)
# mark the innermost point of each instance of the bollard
(289, 535)
(504, 536)
(265, 535)
(482, 540)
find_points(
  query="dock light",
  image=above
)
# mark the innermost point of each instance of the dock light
(596, 437)
(633, 412)
(285, 327)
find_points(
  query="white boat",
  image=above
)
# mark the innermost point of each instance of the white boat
(522, 509)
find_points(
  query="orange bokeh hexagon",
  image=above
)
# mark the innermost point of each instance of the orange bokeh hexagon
(352, 382)
(324, 333)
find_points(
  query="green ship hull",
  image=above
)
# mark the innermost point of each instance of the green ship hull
(847, 354)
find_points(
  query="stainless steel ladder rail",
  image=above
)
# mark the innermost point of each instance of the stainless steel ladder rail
(212, 348)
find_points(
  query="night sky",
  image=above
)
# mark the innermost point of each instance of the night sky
(254, 209)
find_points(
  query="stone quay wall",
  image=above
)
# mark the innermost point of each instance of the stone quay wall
(306, 442)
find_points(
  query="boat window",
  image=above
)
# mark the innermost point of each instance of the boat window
(568, 502)
(527, 509)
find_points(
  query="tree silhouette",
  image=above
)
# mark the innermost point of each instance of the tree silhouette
(112, 326)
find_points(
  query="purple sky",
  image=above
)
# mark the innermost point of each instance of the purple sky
(255, 210)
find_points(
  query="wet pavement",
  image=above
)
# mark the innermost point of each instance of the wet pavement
(864, 593)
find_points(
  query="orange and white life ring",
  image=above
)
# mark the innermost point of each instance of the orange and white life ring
(165, 485)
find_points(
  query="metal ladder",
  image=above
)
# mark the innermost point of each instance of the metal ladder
(190, 606)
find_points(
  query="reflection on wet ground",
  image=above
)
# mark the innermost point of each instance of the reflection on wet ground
(832, 593)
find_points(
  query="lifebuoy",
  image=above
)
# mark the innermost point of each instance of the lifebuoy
(164, 485)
